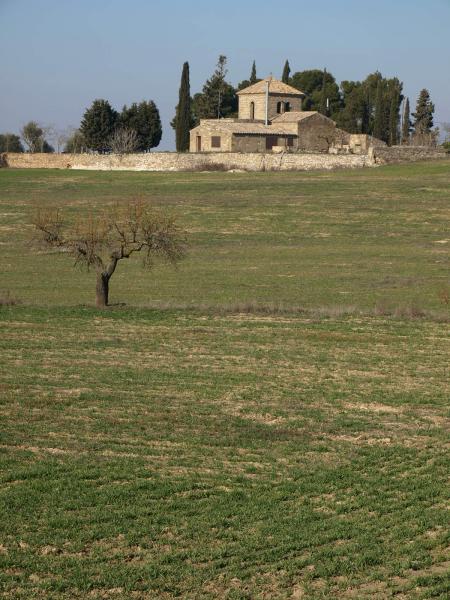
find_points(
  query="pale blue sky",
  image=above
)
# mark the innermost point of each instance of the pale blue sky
(59, 55)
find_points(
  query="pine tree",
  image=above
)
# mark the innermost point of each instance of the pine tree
(423, 117)
(253, 77)
(286, 72)
(98, 125)
(311, 82)
(218, 97)
(323, 107)
(183, 112)
(406, 125)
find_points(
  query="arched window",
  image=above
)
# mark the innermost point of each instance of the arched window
(279, 104)
(287, 106)
(252, 110)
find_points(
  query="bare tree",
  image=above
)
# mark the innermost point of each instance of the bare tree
(61, 137)
(445, 126)
(75, 142)
(100, 242)
(124, 141)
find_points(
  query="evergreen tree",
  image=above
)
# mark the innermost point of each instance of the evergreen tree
(323, 108)
(311, 82)
(183, 113)
(286, 72)
(145, 120)
(353, 112)
(10, 142)
(253, 77)
(406, 125)
(218, 98)
(98, 125)
(423, 117)
(379, 129)
(393, 119)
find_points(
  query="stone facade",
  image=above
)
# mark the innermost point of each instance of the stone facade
(355, 143)
(281, 98)
(235, 135)
(256, 105)
(315, 134)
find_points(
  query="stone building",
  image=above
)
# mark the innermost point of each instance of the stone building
(267, 99)
(271, 119)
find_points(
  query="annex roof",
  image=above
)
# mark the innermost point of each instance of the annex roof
(275, 87)
(295, 116)
(234, 126)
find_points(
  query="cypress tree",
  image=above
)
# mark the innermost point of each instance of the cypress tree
(286, 72)
(378, 124)
(253, 78)
(423, 117)
(406, 125)
(183, 113)
(323, 95)
(393, 118)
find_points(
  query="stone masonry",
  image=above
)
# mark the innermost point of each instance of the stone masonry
(173, 161)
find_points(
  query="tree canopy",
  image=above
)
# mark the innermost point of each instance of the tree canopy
(318, 85)
(144, 119)
(183, 114)
(100, 241)
(34, 137)
(98, 124)
(218, 98)
(10, 142)
(286, 72)
(423, 117)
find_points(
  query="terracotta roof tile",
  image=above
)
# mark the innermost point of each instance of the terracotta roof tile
(250, 128)
(275, 87)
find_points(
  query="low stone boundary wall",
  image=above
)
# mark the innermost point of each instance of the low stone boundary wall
(173, 161)
(209, 161)
(398, 154)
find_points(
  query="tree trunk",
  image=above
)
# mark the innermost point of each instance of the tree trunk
(102, 290)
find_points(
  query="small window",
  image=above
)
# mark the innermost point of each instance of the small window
(215, 141)
(252, 110)
(279, 104)
(290, 141)
(287, 107)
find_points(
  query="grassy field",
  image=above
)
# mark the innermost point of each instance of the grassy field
(307, 239)
(175, 446)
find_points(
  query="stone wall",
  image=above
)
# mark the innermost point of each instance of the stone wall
(316, 133)
(173, 161)
(205, 131)
(398, 154)
(259, 100)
